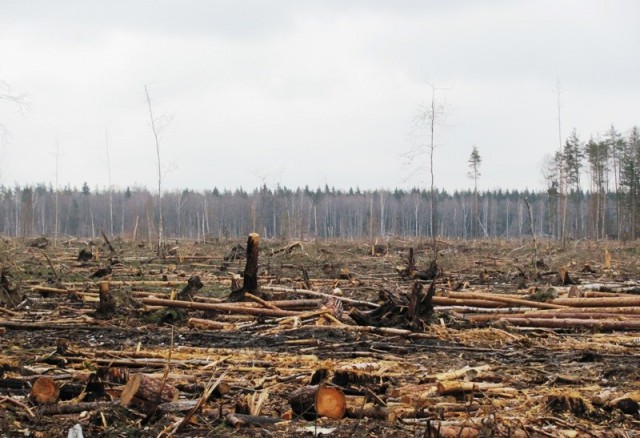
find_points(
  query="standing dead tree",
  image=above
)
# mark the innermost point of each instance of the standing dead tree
(155, 129)
(432, 116)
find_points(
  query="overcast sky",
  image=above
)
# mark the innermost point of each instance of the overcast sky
(309, 92)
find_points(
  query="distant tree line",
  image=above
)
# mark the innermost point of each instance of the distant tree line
(593, 191)
(301, 213)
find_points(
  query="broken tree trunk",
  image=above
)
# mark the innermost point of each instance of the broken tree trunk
(318, 401)
(250, 276)
(146, 390)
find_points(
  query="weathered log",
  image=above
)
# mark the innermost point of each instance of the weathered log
(617, 310)
(318, 401)
(260, 301)
(446, 301)
(598, 302)
(74, 408)
(223, 307)
(318, 294)
(148, 389)
(44, 391)
(375, 412)
(508, 300)
(461, 372)
(238, 420)
(457, 386)
(553, 315)
(208, 324)
(598, 324)
(177, 406)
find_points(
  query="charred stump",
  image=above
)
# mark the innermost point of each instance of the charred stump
(10, 291)
(250, 276)
(194, 284)
(85, 255)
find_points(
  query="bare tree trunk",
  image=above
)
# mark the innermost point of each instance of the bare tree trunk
(57, 219)
(155, 136)
(106, 137)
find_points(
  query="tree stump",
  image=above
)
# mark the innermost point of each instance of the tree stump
(318, 401)
(107, 305)
(250, 276)
(194, 284)
(45, 391)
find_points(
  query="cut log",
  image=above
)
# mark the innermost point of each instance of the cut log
(147, 389)
(494, 297)
(462, 372)
(75, 408)
(223, 307)
(207, 324)
(45, 391)
(457, 386)
(318, 401)
(598, 324)
(598, 302)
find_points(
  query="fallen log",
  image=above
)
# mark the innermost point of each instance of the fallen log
(598, 302)
(75, 408)
(553, 315)
(616, 310)
(147, 390)
(457, 386)
(446, 301)
(521, 302)
(462, 372)
(318, 294)
(208, 324)
(238, 308)
(318, 401)
(599, 324)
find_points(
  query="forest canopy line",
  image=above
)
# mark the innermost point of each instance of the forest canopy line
(592, 192)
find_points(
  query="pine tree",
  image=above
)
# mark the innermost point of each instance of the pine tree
(572, 157)
(474, 173)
